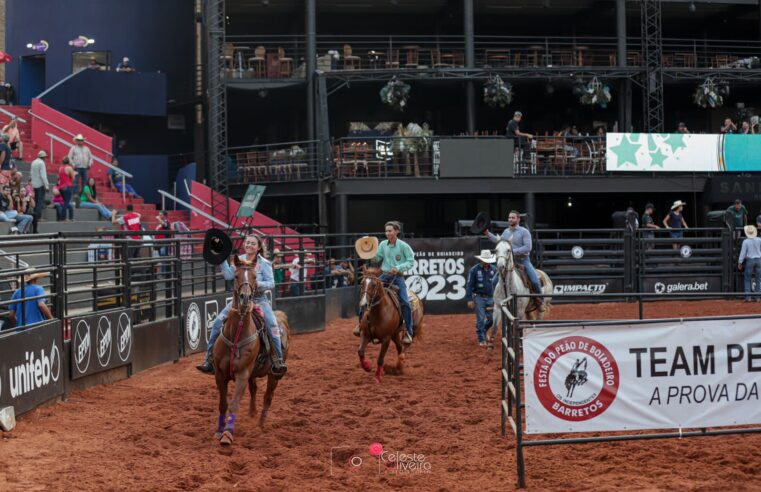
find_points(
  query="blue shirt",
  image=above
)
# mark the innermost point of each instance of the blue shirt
(751, 249)
(32, 312)
(675, 220)
(480, 281)
(519, 237)
(265, 280)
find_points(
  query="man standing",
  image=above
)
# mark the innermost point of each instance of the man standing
(39, 175)
(648, 224)
(33, 310)
(129, 221)
(395, 257)
(81, 158)
(514, 132)
(739, 214)
(750, 254)
(520, 240)
(480, 291)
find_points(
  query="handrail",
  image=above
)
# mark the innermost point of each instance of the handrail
(95, 158)
(191, 195)
(19, 118)
(193, 209)
(67, 132)
(45, 92)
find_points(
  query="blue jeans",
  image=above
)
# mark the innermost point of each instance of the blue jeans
(22, 220)
(270, 322)
(127, 187)
(66, 194)
(398, 281)
(484, 318)
(104, 211)
(531, 273)
(294, 289)
(80, 178)
(752, 265)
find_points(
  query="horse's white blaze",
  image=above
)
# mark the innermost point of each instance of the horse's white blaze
(363, 300)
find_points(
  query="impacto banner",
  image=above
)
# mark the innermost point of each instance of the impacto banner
(676, 152)
(665, 375)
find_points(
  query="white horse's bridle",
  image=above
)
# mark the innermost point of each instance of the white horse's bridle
(506, 274)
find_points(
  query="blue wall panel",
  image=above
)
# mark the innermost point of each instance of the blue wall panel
(151, 173)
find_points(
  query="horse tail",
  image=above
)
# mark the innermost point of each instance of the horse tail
(419, 332)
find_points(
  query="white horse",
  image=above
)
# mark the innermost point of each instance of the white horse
(509, 283)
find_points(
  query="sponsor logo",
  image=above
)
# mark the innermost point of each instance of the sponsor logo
(124, 337)
(580, 289)
(103, 341)
(212, 310)
(576, 378)
(661, 288)
(82, 346)
(685, 251)
(577, 252)
(35, 372)
(193, 325)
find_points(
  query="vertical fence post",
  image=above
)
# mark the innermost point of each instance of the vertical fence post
(629, 259)
(60, 284)
(505, 376)
(727, 272)
(516, 328)
(126, 275)
(178, 295)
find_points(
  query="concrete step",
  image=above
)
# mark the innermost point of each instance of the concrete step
(53, 227)
(80, 215)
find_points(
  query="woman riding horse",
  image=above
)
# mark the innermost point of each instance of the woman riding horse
(254, 249)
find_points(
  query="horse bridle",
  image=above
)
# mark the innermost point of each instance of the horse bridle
(373, 302)
(508, 274)
(244, 283)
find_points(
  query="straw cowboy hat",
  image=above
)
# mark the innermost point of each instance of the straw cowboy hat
(677, 204)
(366, 247)
(486, 256)
(750, 231)
(79, 138)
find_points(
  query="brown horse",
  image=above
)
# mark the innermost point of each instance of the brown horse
(382, 321)
(238, 352)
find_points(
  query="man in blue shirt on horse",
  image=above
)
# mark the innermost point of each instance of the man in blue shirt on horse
(520, 240)
(480, 292)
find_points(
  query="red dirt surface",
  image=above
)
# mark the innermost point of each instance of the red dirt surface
(155, 430)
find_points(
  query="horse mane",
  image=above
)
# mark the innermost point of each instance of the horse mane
(373, 272)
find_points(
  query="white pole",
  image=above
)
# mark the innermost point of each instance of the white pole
(124, 199)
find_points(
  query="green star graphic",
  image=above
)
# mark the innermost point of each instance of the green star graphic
(657, 156)
(679, 142)
(626, 151)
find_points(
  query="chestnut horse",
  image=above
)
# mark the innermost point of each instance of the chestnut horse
(382, 321)
(238, 353)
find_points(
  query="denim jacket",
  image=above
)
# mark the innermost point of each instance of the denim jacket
(264, 278)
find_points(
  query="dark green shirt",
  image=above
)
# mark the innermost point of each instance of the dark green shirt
(738, 214)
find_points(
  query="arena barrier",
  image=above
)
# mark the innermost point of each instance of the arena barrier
(619, 376)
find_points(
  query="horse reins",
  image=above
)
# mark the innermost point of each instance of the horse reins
(236, 337)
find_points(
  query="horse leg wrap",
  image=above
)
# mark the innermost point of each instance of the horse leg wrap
(378, 371)
(230, 423)
(365, 364)
(220, 423)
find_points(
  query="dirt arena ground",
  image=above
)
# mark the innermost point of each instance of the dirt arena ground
(154, 431)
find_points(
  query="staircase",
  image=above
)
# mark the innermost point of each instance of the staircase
(85, 220)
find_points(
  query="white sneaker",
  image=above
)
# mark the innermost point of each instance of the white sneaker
(14, 230)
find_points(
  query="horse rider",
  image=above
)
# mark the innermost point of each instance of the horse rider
(480, 291)
(254, 248)
(396, 257)
(520, 240)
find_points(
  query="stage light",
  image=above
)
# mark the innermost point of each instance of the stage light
(570, 202)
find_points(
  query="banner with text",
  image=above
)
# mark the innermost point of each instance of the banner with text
(199, 314)
(665, 375)
(441, 271)
(100, 341)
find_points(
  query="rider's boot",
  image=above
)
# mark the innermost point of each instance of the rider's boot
(407, 314)
(207, 367)
(278, 364)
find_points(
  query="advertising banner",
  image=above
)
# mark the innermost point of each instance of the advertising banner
(590, 286)
(679, 285)
(199, 314)
(664, 375)
(100, 341)
(441, 272)
(30, 366)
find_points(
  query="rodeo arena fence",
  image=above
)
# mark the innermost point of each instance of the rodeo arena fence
(123, 303)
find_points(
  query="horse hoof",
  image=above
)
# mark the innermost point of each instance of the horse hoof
(366, 365)
(377, 380)
(226, 439)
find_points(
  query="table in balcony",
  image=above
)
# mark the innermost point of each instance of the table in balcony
(498, 57)
(535, 51)
(412, 53)
(455, 59)
(376, 58)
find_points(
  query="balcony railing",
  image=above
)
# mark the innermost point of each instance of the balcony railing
(384, 157)
(282, 56)
(273, 163)
(560, 156)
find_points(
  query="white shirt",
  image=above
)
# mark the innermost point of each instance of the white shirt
(295, 271)
(39, 174)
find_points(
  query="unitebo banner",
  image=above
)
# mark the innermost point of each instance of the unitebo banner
(664, 375)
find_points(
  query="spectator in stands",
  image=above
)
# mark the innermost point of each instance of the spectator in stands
(682, 128)
(15, 186)
(31, 311)
(39, 178)
(89, 199)
(278, 269)
(728, 126)
(66, 187)
(162, 224)
(129, 221)
(335, 275)
(346, 265)
(298, 277)
(600, 132)
(514, 132)
(94, 65)
(675, 222)
(124, 66)
(648, 224)
(8, 214)
(6, 163)
(60, 212)
(29, 188)
(14, 141)
(739, 214)
(750, 260)
(81, 158)
(745, 128)
(116, 178)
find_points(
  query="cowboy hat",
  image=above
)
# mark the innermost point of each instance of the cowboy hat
(366, 247)
(750, 231)
(79, 137)
(42, 154)
(486, 256)
(217, 246)
(480, 223)
(677, 204)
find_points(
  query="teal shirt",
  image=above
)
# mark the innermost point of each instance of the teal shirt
(399, 256)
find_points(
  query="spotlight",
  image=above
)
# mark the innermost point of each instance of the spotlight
(570, 202)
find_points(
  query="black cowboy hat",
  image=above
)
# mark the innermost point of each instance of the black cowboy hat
(217, 246)
(480, 223)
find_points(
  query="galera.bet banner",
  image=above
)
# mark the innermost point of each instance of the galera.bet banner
(664, 375)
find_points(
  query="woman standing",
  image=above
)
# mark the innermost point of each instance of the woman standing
(11, 129)
(675, 222)
(254, 249)
(66, 186)
(88, 199)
